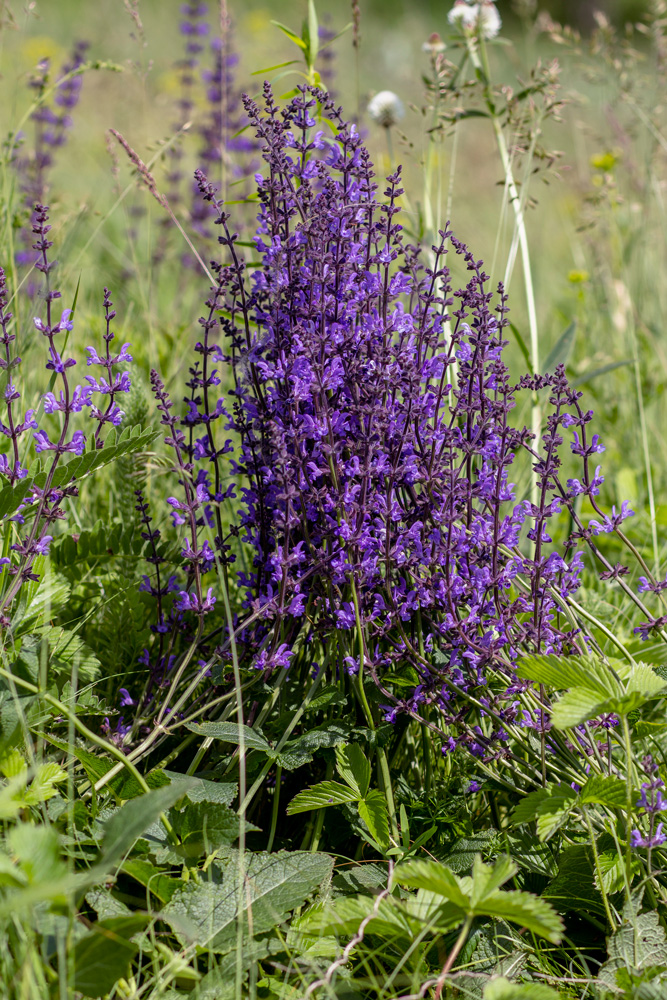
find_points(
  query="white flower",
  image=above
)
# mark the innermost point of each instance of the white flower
(482, 17)
(386, 108)
(434, 44)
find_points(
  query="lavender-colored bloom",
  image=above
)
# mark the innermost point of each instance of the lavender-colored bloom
(656, 839)
(474, 786)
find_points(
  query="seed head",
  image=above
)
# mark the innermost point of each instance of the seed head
(386, 108)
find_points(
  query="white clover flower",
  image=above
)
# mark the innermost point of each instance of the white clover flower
(473, 17)
(386, 108)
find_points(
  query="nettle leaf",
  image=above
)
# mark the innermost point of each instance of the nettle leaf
(300, 751)
(462, 856)
(326, 793)
(354, 768)
(203, 790)
(373, 811)
(637, 946)
(104, 955)
(229, 733)
(271, 886)
(203, 827)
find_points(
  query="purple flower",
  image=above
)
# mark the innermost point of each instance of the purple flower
(637, 839)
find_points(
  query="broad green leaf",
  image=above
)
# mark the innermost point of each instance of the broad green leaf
(203, 790)
(638, 945)
(576, 706)
(553, 812)
(124, 785)
(326, 793)
(13, 765)
(354, 768)
(129, 822)
(37, 850)
(503, 989)
(462, 856)
(373, 811)
(604, 789)
(203, 827)
(434, 877)
(526, 810)
(486, 879)
(273, 885)
(229, 733)
(146, 874)
(561, 672)
(300, 751)
(104, 955)
(612, 867)
(643, 680)
(526, 910)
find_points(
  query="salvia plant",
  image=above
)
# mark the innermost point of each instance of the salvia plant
(332, 665)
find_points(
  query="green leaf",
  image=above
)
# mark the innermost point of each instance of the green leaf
(589, 376)
(560, 354)
(125, 785)
(562, 672)
(104, 955)
(605, 790)
(129, 822)
(524, 909)
(354, 768)
(638, 945)
(486, 879)
(522, 343)
(292, 37)
(326, 793)
(503, 989)
(313, 34)
(576, 706)
(573, 887)
(203, 827)
(373, 811)
(526, 810)
(553, 812)
(146, 874)
(434, 877)
(203, 790)
(229, 733)
(272, 886)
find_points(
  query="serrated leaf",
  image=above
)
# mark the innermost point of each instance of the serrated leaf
(13, 765)
(273, 885)
(605, 790)
(229, 733)
(354, 768)
(326, 793)
(434, 877)
(486, 879)
(203, 790)
(524, 909)
(462, 856)
(553, 812)
(203, 827)
(637, 945)
(561, 672)
(373, 811)
(576, 706)
(526, 810)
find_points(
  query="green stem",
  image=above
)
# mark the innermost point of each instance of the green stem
(274, 809)
(628, 798)
(453, 955)
(598, 868)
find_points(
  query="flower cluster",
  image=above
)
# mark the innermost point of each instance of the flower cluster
(474, 18)
(650, 803)
(47, 494)
(51, 126)
(373, 409)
